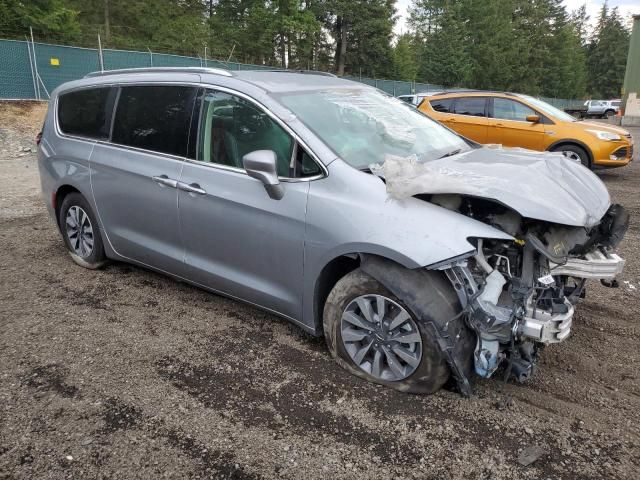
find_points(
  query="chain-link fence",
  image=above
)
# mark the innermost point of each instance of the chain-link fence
(32, 70)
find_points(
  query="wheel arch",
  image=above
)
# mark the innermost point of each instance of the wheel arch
(330, 274)
(334, 270)
(572, 141)
(59, 195)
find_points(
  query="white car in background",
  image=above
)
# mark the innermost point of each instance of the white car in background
(602, 108)
(415, 99)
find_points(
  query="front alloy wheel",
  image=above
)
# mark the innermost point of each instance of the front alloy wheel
(372, 334)
(381, 337)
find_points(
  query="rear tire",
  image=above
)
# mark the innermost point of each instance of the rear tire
(80, 232)
(427, 375)
(609, 113)
(576, 153)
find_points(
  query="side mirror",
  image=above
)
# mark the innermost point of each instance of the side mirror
(262, 165)
(533, 118)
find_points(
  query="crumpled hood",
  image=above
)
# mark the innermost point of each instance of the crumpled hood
(539, 185)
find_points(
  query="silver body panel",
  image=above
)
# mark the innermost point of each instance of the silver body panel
(234, 239)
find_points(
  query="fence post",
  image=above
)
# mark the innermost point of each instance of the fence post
(100, 57)
(205, 56)
(33, 77)
(150, 56)
(35, 63)
(394, 88)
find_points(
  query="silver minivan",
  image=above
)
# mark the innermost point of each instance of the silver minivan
(418, 254)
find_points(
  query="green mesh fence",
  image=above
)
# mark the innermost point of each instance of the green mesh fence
(57, 64)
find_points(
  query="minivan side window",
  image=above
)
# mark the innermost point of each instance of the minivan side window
(154, 117)
(474, 106)
(86, 113)
(506, 109)
(442, 105)
(231, 127)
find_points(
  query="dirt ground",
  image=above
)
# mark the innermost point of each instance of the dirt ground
(123, 373)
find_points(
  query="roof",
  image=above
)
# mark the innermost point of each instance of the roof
(288, 81)
(269, 80)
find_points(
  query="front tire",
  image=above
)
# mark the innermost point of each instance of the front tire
(80, 232)
(373, 335)
(574, 152)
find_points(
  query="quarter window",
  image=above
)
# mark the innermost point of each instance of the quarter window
(473, 106)
(442, 105)
(506, 109)
(231, 127)
(86, 113)
(154, 118)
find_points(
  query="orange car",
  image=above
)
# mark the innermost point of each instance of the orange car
(515, 120)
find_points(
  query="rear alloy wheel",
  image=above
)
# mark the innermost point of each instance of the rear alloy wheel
(609, 113)
(574, 152)
(80, 232)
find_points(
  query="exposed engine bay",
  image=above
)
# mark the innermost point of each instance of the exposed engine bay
(519, 295)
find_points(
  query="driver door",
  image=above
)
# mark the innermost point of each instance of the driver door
(238, 240)
(508, 125)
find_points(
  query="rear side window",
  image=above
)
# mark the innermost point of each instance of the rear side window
(474, 106)
(154, 118)
(442, 105)
(86, 113)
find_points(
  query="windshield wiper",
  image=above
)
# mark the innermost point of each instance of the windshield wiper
(452, 153)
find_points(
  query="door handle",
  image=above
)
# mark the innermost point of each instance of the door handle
(166, 181)
(192, 188)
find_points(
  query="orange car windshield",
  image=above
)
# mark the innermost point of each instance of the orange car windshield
(550, 110)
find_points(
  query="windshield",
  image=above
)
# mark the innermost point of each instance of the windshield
(364, 126)
(549, 109)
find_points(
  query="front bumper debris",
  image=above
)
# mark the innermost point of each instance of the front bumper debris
(545, 327)
(513, 322)
(599, 264)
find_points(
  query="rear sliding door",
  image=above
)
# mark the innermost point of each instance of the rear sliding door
(134, 176)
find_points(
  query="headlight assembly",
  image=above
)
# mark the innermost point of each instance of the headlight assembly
(602, 135)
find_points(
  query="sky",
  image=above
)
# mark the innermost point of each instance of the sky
(626, 7)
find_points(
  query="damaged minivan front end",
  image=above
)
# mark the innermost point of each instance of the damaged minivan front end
(519, 295)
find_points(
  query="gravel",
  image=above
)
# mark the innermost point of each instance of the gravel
(122, 372)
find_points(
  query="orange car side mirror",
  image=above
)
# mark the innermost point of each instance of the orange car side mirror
(533, 118)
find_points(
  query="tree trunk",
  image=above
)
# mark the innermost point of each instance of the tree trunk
(107, 27)
(343, 48)
(283, 50)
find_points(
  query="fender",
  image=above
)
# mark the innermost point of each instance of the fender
(350, 213)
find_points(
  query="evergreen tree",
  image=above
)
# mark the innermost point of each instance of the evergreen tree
(405, 64)
(50, 19)
(607, 55)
